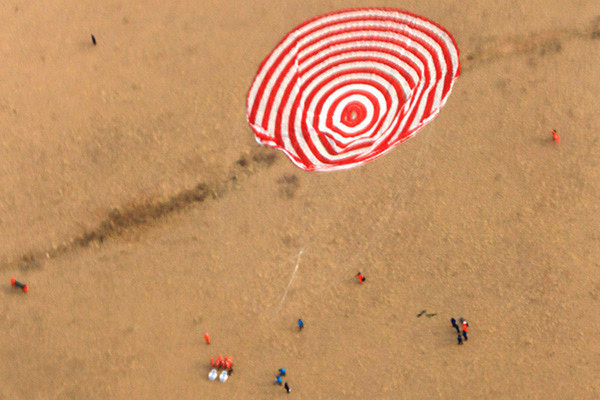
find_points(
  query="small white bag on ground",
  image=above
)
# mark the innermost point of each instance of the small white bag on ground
(224, 375)
(212, 375)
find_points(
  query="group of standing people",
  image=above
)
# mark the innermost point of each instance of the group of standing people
(465, 329)
(279, 382)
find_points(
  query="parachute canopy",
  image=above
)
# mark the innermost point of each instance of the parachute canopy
(346, 87)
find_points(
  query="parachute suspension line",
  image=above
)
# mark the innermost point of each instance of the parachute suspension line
(318, 292)
(290, 283)
(361, 249)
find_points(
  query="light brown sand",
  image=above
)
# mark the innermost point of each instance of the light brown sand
(480, 215)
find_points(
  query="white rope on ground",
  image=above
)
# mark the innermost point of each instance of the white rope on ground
(361, 248)
(290, 283)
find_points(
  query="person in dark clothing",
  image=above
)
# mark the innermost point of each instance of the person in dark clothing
(454, 324)
(287, 387)
(300, 324)
(459, 337)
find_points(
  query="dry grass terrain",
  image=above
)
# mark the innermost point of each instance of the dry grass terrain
(141, 212)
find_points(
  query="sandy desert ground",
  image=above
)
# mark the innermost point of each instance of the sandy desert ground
(136, 204)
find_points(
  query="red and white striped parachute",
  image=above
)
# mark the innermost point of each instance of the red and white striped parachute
(346, 87)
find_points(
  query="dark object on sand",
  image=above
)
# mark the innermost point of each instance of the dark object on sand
(93, 40)
(421, 313)
(18, 284)
(287, 387)
(454, 325)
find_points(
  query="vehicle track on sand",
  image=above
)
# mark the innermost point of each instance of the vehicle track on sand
(539, 44)
(143, 214)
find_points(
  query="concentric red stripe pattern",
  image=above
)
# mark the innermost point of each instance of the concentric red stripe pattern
(346, 87)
